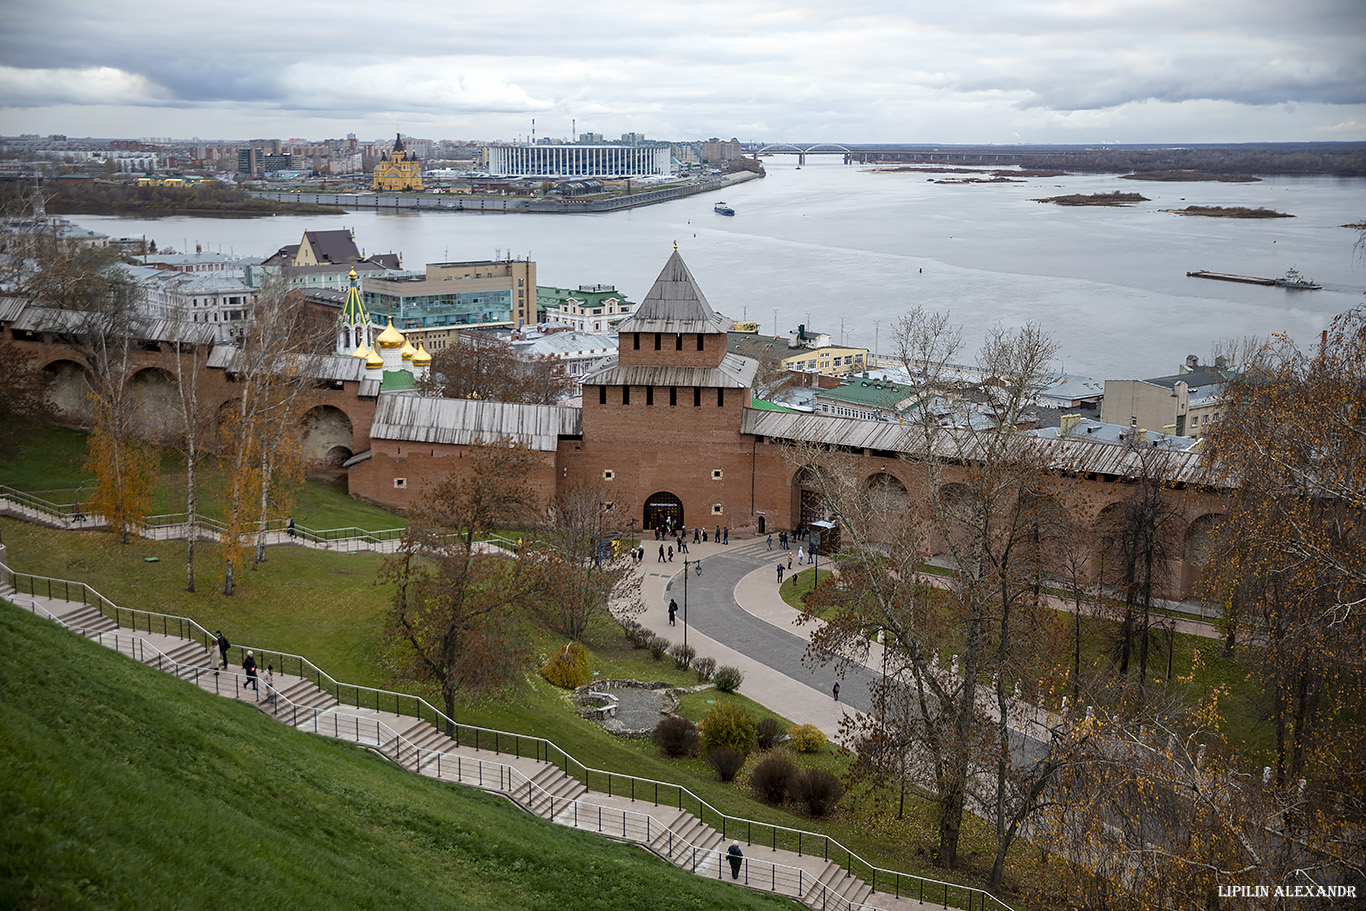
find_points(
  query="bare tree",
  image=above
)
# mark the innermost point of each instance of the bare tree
(457, 607)
(582, 567)
(475, 366)
(988, 505)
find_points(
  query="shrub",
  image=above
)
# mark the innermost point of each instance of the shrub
(636, 634)
(682, 655)
(676, 736)
(806, 738)
(728, 725)
(818, 789)
(726, 762)
(771, 777)
(728, 679)
(658, 646)
(568, 667)
(705, 667)
(770, 732)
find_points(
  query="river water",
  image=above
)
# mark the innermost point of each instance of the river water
(846, 251)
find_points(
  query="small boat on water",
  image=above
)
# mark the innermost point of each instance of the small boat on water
(722, 209)
(1294, 280)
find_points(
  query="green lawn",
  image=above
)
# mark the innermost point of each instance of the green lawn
(126, 788)
(49, 465)
(325, 606)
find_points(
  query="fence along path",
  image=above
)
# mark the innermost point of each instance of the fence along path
(531, 772)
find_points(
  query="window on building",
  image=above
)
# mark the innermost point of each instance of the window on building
(649, 395)
(636, 340)
(673, 395)
(716, 474)
(678, 342)
(699, 341)
(608, 474)
(658, 339)
(625, 395)
(602, 395)
(697, 396)
(720, 398)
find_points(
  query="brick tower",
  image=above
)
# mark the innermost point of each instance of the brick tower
(661, 429)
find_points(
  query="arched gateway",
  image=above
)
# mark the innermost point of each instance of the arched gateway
(663, 509)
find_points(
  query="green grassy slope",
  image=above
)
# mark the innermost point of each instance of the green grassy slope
(124, 788)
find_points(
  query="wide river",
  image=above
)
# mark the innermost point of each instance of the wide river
(846, 251)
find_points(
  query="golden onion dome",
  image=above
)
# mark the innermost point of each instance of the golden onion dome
(374, 361)
(362, 351)
(422, 358)
(407, 351)
(390, 337)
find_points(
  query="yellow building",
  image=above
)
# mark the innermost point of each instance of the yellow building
(396, 171)
(832, 360)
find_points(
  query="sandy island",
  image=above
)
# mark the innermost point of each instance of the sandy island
(1096, 199)
(1228, 212)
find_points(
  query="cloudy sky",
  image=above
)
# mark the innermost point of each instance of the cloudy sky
(998, 71)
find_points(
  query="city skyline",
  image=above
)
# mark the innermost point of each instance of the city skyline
(871, 71)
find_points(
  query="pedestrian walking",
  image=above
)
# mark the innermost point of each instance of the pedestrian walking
(223, 646)
(725, 535)
(695, 533)
(249, 665)
(704, 536)
(270, 684)
(290, 527)
(780, 574)
(717, 539)
(736, 857)
(671, 555)
(789, 562)
(801, 556)
(837, 691)
(673, 610)
(683, 544)
(661, 554)
(770, 543)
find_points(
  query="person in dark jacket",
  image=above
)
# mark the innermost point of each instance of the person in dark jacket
(736, 857)
(673, 611)
(249, 665)
(223, 647)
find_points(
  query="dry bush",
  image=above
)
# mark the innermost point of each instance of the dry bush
(771, 732)
(726, 762)
(682, 655)
(728, 679)
(771, 778)
(705, 667)
(676, 736)
(818, 789)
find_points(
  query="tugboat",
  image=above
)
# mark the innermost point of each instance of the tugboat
(1297, 282)
(722, 209)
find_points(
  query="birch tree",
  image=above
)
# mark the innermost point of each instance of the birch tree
(273, 371)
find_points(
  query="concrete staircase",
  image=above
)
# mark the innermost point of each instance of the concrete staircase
(538, 787)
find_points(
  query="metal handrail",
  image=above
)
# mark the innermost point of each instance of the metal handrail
(802, 841)
(578, 812)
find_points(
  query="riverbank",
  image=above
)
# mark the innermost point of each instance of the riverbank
(504, 204)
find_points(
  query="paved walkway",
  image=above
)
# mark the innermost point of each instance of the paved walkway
(540, 787)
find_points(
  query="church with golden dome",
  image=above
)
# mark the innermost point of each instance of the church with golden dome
(391, 357)
(397, 171)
